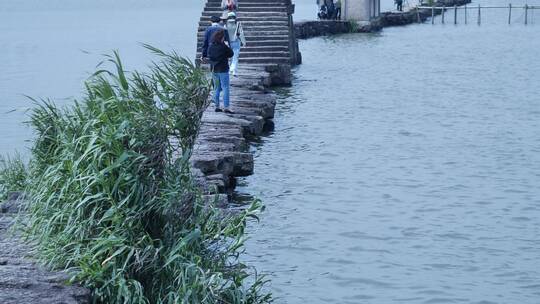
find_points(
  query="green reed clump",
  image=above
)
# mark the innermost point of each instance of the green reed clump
(353, 26)
(13, 175)
(112, 198)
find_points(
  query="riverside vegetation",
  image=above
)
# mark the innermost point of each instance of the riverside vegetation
(110, 197)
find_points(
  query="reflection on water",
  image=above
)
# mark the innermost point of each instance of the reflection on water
(405, 167)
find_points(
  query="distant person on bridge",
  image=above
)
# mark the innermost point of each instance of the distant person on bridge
(228, 5)
(399, 4)
(323, 12)
(337, 15)
(237, 39)
(219, 54)
(208, 35)
(331, 8)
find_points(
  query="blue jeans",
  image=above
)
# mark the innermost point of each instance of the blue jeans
(235, 46)
(221, 83)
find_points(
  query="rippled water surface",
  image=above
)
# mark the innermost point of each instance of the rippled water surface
(405, 168)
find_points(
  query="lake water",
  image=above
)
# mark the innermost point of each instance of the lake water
(405, 165)
(405, 168)
(48, 48)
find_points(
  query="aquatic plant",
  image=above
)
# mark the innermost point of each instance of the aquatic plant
(112, 199)
(12, 175)
(353, 26)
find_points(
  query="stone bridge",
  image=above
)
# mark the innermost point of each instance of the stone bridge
(222, 153)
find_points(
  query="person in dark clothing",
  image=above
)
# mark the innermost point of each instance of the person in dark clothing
(331, 8)
(219, 54)
(208, 35)
(323, 12)
(337, 15)
(399, 4)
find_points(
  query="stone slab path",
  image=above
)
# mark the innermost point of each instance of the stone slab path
(22, 281)
(222, 152)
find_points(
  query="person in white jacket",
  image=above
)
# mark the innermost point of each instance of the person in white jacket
(237, 39)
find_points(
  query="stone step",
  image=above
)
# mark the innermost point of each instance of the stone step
(252, 23)
(260, 43)
(258, 7)
(261, 19)
(248, 54)
(243, 4)
(254, 40)
(252, 34)
(258, 35)
(240, 15)
(265, 60)
(251, 54)
(255, 28)
(256, 11)
(284, 38)
(249, 48)
(226, 163)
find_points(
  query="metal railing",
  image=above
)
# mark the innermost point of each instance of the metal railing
(442, 9)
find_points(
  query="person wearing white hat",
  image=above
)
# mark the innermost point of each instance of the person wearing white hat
(237, 39)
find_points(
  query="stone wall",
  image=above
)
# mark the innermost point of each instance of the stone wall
(310, 29)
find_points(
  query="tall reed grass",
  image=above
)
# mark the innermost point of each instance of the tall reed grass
(112, 198)
(13, 175)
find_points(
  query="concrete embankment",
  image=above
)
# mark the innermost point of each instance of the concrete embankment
(388, 19)
(22, 280)
(316, 28)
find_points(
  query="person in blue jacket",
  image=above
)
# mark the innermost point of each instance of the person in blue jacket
(215, 26)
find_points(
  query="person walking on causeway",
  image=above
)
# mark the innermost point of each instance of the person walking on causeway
(237, 39)
(215, 26)
(219, 54)
(331, 8)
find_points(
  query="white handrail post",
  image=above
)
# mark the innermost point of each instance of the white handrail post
(443, 9)
(433, 14)
(455, 14)
(509, 13)
(526, 13)
(479, 15)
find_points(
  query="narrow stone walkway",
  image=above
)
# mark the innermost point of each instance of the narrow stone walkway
(222, 151)
(22, 281)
